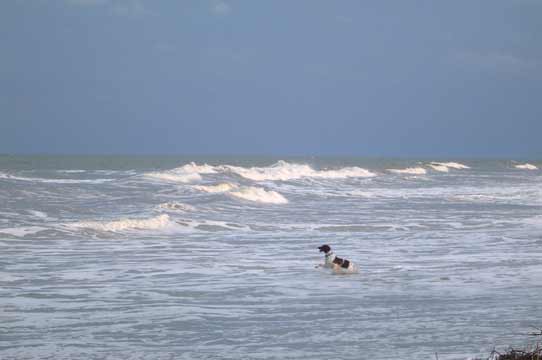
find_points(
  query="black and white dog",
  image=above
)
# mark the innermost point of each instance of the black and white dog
(338, 265)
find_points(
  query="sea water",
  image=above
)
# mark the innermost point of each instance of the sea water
(197, 258)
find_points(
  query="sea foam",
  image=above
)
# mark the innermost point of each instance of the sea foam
(261, 195)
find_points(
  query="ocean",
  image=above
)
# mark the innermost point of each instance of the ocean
(215, 257)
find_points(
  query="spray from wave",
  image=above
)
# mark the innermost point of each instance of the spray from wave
(260, 195)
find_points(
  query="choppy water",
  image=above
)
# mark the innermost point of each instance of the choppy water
(161, 258)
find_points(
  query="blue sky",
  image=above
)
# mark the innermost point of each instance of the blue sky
(362, 78)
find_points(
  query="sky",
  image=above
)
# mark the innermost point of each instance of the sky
(454, 79)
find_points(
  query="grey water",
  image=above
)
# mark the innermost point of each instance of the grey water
(215, 258)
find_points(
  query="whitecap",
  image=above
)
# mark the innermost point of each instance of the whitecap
(441, 168)
(185, 174)
(192, 167)
(452, 165)
(409, 171)
(526, 167)
(261, 195)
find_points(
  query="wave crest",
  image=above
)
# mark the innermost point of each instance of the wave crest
(409, 171)
(446, 166)
(283, 171)
(261, 195)
(152, 223)
(452, 165)
(223, 187)
(192, 168)
(526, 167)
(173, 176)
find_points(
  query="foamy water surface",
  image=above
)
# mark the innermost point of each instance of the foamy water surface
(160, 258)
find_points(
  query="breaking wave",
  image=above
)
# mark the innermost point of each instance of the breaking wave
(188, 173)
(440, 168)
(223, 187)
(409, 171)
(453, 165)
(261, 195)
(283, 171)
(157, 222)
(526, 167)
(192, 167)
(174, 176)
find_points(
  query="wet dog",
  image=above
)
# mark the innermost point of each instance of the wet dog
(335, 263)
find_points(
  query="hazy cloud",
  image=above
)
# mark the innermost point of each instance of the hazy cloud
(494, 61)
(220, 8)
(116, 7)
(87, 2)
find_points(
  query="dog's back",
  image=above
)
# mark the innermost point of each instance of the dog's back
(343, 266)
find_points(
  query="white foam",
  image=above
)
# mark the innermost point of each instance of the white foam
(176, 206)
(175, 177)
(223, 187)
(185, 174)
(38, 214)
(284, 171)
(452, 165)
(157, 222)
(192, 167)
(440, 168)
(526, 167)
(536, 221)
(54, 181)
(261, 195)
(22, 231)
(409, 171)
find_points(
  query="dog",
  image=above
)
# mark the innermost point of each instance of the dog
(335, 263)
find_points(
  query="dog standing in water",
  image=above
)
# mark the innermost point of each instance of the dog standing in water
(335, 263)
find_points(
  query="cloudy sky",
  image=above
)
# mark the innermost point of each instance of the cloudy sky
(364, 78)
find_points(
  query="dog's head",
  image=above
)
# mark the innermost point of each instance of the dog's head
(324, 248)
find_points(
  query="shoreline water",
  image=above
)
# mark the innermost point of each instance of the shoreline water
(101, 258)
